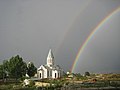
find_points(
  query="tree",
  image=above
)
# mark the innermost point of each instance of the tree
(87, 74)
(78, 75)
(1, 72)
(31, 69)
(5, 65)
(16, 67)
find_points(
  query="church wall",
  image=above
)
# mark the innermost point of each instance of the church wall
(45, 73)
(50, 70)
(53, 74)
(49, 73)
(42, 74)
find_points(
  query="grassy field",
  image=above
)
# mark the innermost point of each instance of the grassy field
(106, 81)
(14, 85)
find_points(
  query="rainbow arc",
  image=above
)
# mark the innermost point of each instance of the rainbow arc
(94, 31)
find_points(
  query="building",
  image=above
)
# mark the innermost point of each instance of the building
(50, 70)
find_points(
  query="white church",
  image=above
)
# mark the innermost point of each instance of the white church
(50, 70)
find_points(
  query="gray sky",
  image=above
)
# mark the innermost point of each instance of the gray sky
(31, 27)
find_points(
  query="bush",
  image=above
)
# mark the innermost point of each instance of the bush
(32, 83)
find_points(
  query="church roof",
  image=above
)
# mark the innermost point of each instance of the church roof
(50, 54)
(53, 67)
(46, 67)
(50, 66)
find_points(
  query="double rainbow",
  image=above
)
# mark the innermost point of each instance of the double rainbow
(92, 34)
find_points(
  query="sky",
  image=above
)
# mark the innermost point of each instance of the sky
(30, 28)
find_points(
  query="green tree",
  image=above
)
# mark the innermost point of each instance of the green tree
(78, 75)
(1, 72)
(87, 74)
(31, 69)
(16, 67)
(5, 67)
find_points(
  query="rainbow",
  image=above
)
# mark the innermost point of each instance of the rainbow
(91, 35)
(83, 7)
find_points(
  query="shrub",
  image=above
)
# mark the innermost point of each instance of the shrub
(32, 83)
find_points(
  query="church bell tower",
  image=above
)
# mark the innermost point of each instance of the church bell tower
(50, 58)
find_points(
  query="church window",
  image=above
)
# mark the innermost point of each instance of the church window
(51, 73)
(48, 73)
(40, 75)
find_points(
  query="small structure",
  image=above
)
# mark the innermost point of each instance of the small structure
(68, 73)
(27, 75)
(50, 70)
(26, 82)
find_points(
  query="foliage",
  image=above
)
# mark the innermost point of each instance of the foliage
(23, 78)
(15, 67)
(14, 86)
(65, 75)
(32, 83)
(87, 74)
(3, 73)
(31, 69)
(78, 76)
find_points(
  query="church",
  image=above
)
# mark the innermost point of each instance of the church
(50, 70)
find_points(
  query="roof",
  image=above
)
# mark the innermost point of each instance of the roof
(50, 54)
(53, 67)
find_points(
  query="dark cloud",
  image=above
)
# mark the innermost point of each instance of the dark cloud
(31, 27)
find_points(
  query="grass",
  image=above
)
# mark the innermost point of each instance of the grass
(109, 81)
(15, 86)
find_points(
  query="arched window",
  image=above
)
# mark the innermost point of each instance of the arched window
(40, 75)
(47, 73)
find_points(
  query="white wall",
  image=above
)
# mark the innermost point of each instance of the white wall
(43, 71)
(45, 75)
(53, 73)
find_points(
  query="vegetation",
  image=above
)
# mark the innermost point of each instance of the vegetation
(15, 86)
(12, 71)
(16, 68)
(31, 69)
(2, 72)
(87, 74)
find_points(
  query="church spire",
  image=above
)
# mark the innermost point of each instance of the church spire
(50, 54)
(50, 58)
